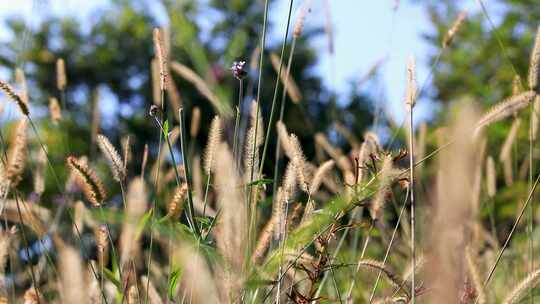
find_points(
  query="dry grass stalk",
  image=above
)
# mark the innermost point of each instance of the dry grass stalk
(16, 156)
(288, 82)
(195, 122)
(320, 174)
(132, 295)
(530, 281)
(54, 110)
(474, 274)
(61, 79)
(232, 225)
(91, 185)
(534, 66)
(144, 159)
(504, 109)
(203, 88)
(510, 139)
(449, 36)
(5, 247)
(491, 177)
(136, 205)
(8, 90)
(328, 27)
(341, 160)
(73, 285)
(161, 56)
(214, 138)
(452, 218)
(153, 295)
(116, 163)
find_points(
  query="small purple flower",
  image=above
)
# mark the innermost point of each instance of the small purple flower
(238, 70)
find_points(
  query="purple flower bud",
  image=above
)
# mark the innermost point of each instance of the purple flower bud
(238, 70)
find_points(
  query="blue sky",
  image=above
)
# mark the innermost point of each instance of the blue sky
(365, 32)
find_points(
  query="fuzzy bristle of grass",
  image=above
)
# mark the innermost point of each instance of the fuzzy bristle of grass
(475, 276)
(288, 82)
(510, 139)
(299, 25)
(503, 110)
(411, 84)
(116, 163)
(156, 82)
(379, 200)
(102, 244)
(144, 159)
(195, 122)
(6, 237)
(161, 56)
(392, 277)
(32, 296)
(299, 162)
(320, 174)
(278, 212)
(39, 172)
(136, 205)
(92, 186)
(17, 153)
(347, 134)
(72, 276)
(449, 36)
(530, 281)
(54, 110)
(534, 66)
(199, 83)
(96, 117)
(153, 295)
(283, 137)
(20, 79)
(126, 151)
(214, 138)
(232, 240)
(175, 206)
(516, 85)
(253, 144)
(263, 242)
(8, 90)
(61, 78)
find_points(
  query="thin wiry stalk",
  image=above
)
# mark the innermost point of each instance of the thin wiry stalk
(236, 155)
(531, 208)
(411, 185)
(389, 246)
(27, 246)
(281, 113)
(187, 174)
(152, 218)
(259, 83)
(529, 198)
